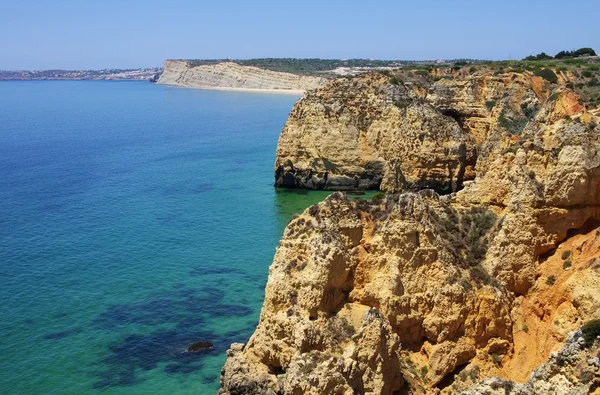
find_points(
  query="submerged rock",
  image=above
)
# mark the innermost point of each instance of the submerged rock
(200, 346)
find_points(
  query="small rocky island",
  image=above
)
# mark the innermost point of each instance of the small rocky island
(476, 270)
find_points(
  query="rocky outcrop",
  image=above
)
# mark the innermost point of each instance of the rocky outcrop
(230, 75)
(397, 134)
(365, 298)
(427, 293)
(359, 133)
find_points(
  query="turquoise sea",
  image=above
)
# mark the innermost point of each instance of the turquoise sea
(135, 219)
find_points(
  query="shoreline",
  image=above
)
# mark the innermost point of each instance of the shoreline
(294, 92)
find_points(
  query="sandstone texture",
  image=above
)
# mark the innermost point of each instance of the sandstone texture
(472, 274)
(357, 133)
(408, 132)
(230, 75)
(571, 370)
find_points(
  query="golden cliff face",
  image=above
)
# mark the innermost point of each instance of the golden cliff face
(357, 133)
(476, 291)
(409, 133)
(368, 297)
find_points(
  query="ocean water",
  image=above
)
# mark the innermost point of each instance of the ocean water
(135, 219)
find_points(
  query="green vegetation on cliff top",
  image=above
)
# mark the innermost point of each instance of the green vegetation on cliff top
(315, 65)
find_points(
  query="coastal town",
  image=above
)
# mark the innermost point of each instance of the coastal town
(145, 74)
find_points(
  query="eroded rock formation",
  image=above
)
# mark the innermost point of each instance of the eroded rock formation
(357, 133)
(374, 131)
(427, 293)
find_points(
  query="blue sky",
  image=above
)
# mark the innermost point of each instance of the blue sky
(46, 34)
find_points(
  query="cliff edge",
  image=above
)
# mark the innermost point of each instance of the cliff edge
(414, 129)
(230, 75)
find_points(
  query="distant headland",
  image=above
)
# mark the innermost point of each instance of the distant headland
(147, 74)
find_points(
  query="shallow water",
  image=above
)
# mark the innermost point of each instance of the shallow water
(135, 219)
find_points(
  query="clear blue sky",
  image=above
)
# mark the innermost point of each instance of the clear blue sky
(95, 34)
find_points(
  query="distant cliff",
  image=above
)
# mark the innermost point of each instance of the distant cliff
(230, 75)
(106, 74)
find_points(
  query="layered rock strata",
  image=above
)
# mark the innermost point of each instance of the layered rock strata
(230, 75)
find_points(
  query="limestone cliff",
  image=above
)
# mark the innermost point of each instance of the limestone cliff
(409, 132)
(230, 75)
(426, 293)
(354, 132)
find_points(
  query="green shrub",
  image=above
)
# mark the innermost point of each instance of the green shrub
(546, 74)
(564, 54)
(529, 112)
(567, 264)
(574, 61)
(566, 254)
(593, 82)
(575, 54)
(550, 280)
(503, 121)
(378, 196)
(584, 52)
(525, 328)
(402, 104)
(554, 96)
(490, 104)
(540, 56)
(496, 358)
(586, 73)
(395, 81)
(511, 149)
(591, 330)
(514, 127)
(472, 69)
(424, 371)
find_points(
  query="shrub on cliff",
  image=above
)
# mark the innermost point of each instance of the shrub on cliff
(378, 196)
(564, 54)
(584, 52)
(546, 74)
(467, 234)
(490, 104)
(395, 81)
(591, 330)
(575, 54)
